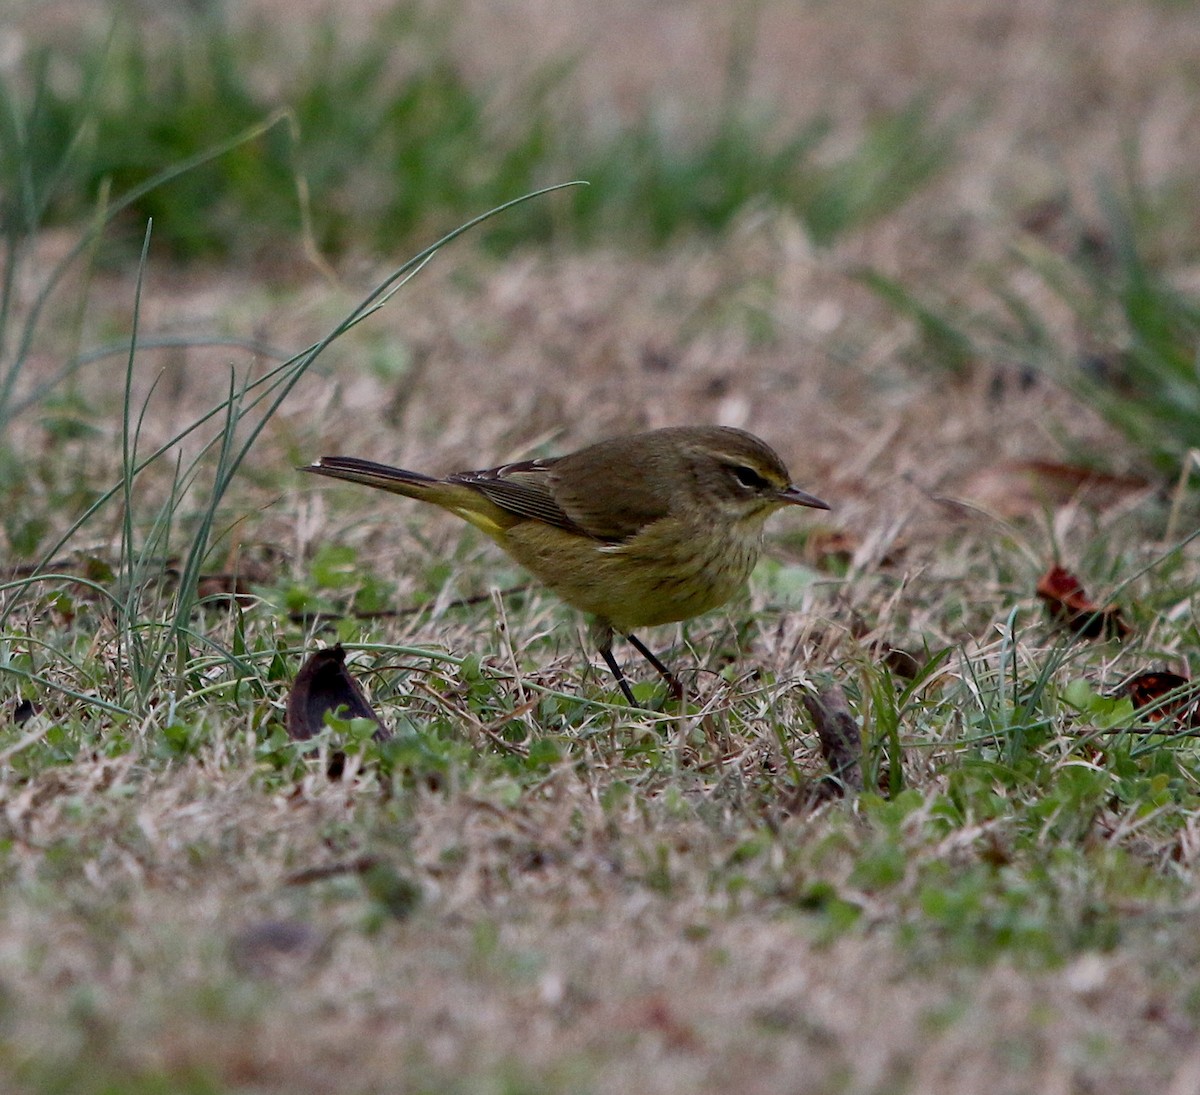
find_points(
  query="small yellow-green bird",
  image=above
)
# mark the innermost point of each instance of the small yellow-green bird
(636, 531)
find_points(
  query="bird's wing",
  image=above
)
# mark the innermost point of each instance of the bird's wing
(525, 489)
(634, 493)
(552, 490)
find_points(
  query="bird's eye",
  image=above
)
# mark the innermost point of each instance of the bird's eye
(749, 478)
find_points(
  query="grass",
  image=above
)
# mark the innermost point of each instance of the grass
(1140, 366)
(1021, 839)
(161, 821)
(530, 887)
(378, 154)
(189, 859)
(1131, 340)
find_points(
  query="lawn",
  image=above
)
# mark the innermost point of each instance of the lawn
(942, 256)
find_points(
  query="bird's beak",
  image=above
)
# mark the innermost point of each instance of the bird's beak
(796, 497)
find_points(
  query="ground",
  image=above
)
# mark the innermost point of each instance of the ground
(536, 889)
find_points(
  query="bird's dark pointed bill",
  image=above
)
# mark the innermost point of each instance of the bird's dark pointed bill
(797, 497)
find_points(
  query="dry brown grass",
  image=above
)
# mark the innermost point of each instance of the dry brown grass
(540, 959)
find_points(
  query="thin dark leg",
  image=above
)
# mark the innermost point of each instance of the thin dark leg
(673, 685)
(607, 654)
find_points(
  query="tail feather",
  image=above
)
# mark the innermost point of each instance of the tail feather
(371, 474)
(460, 498)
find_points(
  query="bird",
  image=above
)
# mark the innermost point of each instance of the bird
(635, 531)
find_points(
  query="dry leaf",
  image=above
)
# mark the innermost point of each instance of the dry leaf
(655, 1013)
(1147, 692)
(324, 684)
(273, 948)
(223, 590)
(825, 547)
(903, 663)
(1067, 604)
(841, 740)
(1019, 488)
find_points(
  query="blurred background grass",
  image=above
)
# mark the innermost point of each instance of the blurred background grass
(390, 153)
(391, 136)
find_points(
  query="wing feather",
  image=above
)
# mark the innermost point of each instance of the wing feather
(562, 491)
(525, 489)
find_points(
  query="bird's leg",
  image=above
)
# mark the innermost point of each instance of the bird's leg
(673, 685)
(607, 654)
(602, 635)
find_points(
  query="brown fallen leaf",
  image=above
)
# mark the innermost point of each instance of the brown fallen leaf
(829, 548)
(826, 547)
(325, 684)
(903, 663)
(841, 740)
(1020, 488)
(1151, 695)
(235, 584)
(1070, 478)
(306, 875)
(1043, 215)
(1068, 605)
(655, 1013)
(224, 590)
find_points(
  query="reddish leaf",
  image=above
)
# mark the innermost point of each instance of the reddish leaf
(830, 547)
(1068, 605)
(1072, 477)
(655, 1013)
(1148, 692)
(224, 590)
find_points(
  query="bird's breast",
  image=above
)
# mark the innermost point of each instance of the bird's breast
(671, 570)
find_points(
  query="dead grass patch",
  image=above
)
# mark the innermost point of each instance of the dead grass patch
(642, 909)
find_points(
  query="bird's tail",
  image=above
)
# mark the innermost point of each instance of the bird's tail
(397, 480)
(460, 499)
